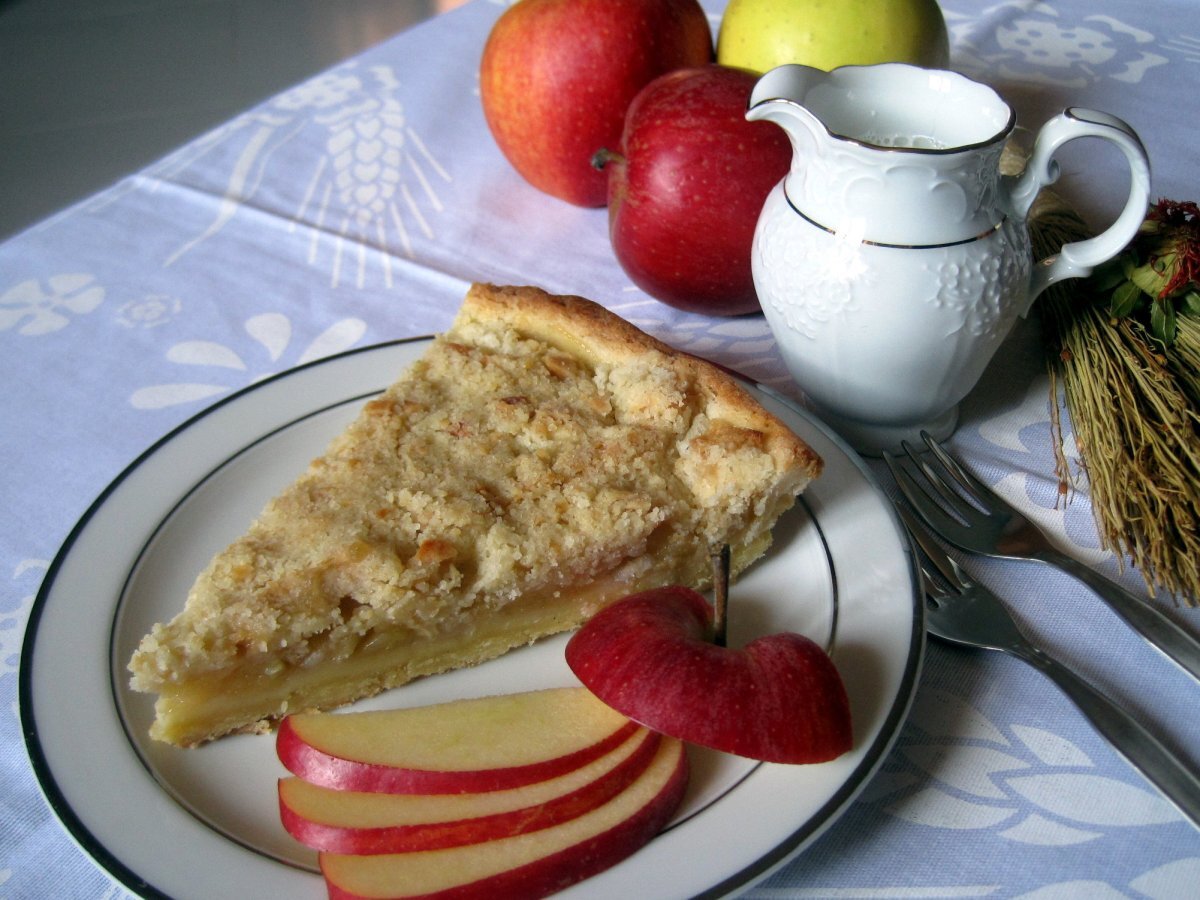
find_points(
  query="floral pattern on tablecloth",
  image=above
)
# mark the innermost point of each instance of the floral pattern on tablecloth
(269, 345)
(1037, 43)
(33, 308)
(374, 189)
(362, 189)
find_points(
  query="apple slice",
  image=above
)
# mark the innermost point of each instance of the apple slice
(651, 657)
(528, 865)
(371, 823)
(465, 746)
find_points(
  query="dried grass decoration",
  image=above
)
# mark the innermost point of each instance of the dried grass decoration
(1125, 346)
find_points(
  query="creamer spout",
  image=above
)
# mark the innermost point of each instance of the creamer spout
(779, 97)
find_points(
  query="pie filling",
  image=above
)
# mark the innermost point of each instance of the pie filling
(261, 689)
(541, 459)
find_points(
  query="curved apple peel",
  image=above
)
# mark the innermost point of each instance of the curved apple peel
(650, 657)
(367, 824)
(463, 746)
(524, 866)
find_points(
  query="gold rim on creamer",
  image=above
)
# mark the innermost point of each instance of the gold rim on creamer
(986, 233)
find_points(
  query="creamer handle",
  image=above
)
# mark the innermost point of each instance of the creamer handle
(1078, 259)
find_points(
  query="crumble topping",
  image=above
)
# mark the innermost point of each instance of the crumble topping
(504, 462)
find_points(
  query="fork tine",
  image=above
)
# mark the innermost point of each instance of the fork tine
(941, 562)
(931, 585)
(926, 507)
(978, 491)
(953, 501)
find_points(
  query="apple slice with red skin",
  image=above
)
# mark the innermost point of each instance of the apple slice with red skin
(530, 865)
(371, 823)
(465, 746)
(651, 657)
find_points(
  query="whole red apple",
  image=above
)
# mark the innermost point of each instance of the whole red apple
(651, 657)
(557, 76)
(686, 187)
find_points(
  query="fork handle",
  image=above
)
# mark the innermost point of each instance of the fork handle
(1139, 615)
(1141, 749)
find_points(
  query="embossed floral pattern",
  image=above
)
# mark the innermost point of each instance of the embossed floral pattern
(372, 176)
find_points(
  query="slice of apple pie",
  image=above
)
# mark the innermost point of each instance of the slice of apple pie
(541, 459)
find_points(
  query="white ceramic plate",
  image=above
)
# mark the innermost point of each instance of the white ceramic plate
(204, 823)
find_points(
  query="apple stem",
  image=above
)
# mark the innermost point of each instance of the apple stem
(720, 594)
(604, 156)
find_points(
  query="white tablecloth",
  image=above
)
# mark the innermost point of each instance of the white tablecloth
(357, 207)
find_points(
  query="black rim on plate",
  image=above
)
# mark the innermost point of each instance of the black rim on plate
(80, 832)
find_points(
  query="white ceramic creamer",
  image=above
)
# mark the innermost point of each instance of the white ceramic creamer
(894, 258)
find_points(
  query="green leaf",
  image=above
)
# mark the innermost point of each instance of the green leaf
(1128, 261)
(1149, 279)
(1108, 276)
(1190, 303)
(1162, 321)
(1125, 299)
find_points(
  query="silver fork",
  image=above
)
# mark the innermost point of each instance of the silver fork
(964, 511)
(965, 612)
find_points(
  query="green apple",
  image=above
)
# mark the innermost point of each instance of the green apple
(762, 34)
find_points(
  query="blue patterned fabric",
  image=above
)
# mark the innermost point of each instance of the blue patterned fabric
(357, 207)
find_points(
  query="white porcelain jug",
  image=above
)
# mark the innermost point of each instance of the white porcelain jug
(894, 258)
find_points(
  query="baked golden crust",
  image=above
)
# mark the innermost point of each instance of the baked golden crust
(583, 327)
(541, 459)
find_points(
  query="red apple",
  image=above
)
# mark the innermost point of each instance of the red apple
(686, 186)
(484, 744)
(529, 865)
(557, 76)
(367, 824)
(651, 657)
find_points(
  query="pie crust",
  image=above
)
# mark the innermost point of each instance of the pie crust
(542, 458)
